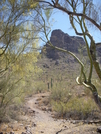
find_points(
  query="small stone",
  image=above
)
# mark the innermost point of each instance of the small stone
(73, 121)
(44, 109)
(27, 127)
(21, 125)
(15, 122)
(11, 133)
(42, 131)
(33, 124)
(50, 109)
(99, 129)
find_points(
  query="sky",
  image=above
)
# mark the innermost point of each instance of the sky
(61, 21)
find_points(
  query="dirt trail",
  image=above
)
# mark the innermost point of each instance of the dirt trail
(48, 125)
(38, 120)
(43, 119)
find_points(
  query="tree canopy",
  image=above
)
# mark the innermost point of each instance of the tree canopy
(18, 48)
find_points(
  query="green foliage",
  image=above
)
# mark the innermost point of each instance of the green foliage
(40, 86)
(48, 13)
(75, 108)
(61, 90)
(69, 104)
(18, 51)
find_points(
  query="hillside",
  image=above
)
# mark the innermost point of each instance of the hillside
(56, 61)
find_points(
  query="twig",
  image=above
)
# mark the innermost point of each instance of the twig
(58, 131)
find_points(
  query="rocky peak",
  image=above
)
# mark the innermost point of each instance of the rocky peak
(63, 40)
(58, 33)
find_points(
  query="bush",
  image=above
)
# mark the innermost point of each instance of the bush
(68, 104)
(60, 92)
(75, 108)
(40, 86)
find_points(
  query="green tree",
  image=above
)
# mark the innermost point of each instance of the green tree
(81, 13)
(18, 48)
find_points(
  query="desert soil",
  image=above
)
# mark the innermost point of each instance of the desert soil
(37, 117)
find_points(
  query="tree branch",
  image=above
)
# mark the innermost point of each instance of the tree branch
(73, 13)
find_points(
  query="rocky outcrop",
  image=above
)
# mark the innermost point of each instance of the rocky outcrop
(99, 51)
(63, 40)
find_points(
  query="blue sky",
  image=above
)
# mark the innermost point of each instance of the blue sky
(62, 22)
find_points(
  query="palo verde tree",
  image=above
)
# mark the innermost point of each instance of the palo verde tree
(81, 13)
(18, 48)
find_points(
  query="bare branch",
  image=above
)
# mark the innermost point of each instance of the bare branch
(73, 13)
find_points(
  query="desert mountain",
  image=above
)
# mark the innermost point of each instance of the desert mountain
(75, 44)
(63, 40)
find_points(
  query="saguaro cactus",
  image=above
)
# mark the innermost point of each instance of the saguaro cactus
(51, 82)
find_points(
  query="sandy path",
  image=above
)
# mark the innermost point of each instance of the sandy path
(43, 119)
(48, 125)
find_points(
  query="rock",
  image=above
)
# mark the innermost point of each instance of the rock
(42, 131)
(44, 109)
(49, 109)
(63, 40)
(1, 132)
(21, 125)
(27, 127)
(43, 96)
(34, 124)
(57, 62)
(45, 66)
(23, 133)
(73, 121)
(99, 51)
(15, 122)
(11, 133)
(99, 129)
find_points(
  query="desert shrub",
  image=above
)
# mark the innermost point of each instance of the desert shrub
(60, 92)
(75, 108)
(40, 86)
(14, 93)
(68, 104)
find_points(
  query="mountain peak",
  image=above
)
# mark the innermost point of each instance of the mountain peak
(63, 40)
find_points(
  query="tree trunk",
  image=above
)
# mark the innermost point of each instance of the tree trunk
(97, 99)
